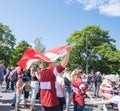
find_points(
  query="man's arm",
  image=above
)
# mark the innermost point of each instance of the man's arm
(37, 75)
(66, 58)
(101, 102)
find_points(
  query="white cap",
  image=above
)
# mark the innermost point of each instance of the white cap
(112, 78)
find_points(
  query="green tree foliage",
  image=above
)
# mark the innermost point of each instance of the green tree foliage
(7, 43)
(95, 45)
(18, 52)
(39, 45)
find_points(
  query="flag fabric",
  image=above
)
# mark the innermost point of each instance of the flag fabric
(55, 53)
(30, 56)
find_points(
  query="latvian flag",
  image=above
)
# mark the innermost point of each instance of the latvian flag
(30, 56)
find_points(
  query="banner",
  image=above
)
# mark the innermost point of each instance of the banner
(30, 56)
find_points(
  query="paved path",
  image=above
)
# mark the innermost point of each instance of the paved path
(5, 100)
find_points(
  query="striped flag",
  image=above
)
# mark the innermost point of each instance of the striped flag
(30, 56)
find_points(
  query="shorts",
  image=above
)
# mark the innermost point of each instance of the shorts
(53, 108)
(61, 100)
(26, 94)
(18, 96)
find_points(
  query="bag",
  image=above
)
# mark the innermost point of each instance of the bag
(92, 79)
(98, 79)
(13, 75)
(67, 82)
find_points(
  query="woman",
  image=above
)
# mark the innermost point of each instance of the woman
(34, 85)
(26, 89)
(60, 89)
(79, 90)
(2, 72)
(67, 79)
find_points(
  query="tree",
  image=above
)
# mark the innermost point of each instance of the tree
(95, 46)
(7, 43)
(39, 45)
(18, 52)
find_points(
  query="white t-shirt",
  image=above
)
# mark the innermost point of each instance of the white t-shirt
(116, 100)
(59, 82)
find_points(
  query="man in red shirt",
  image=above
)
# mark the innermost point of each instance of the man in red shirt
(48, 96)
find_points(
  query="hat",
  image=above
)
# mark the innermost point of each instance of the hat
(112, 78)
(18, 71)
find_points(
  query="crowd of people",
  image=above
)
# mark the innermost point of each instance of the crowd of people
(57, 87)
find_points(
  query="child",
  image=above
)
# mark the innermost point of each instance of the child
(26, 91)
(19, 87)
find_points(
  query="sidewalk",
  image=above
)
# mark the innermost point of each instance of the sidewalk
(5, 100)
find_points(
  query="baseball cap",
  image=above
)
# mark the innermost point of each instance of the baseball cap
(112, 78)
(18, 71)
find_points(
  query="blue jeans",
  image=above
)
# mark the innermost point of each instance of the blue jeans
(97, 87)
(68, 96)
(12, 85)
(34, 91)
(14, 95)
(78, 107)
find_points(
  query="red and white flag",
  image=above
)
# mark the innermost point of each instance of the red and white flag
(30, 56)
(55, 53)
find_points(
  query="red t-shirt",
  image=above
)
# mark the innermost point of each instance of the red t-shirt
(78, 91)
(48, 94)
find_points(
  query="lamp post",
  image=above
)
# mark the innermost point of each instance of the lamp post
(89, 34)
(87, 54)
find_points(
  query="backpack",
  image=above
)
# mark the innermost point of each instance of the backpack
(67, 82)
(98, 79)
(13, 75)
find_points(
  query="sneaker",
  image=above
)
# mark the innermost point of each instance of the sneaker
(32, 108)
(18, 110)
(98, 96)
(13, 105)
(24, 106)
